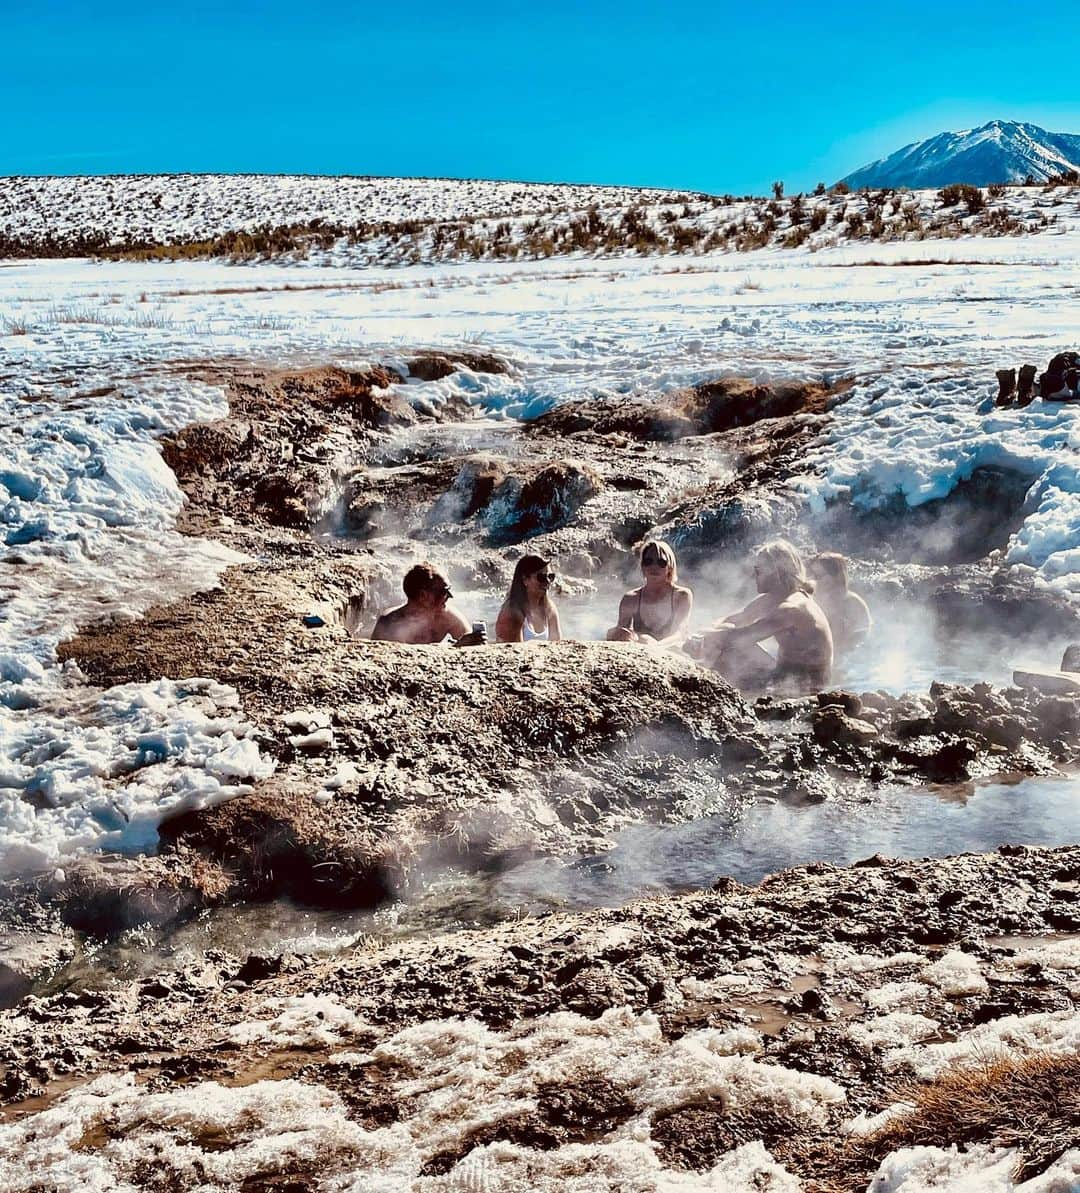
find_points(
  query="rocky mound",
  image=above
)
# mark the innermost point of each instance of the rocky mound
(703, 409)
(275, 457)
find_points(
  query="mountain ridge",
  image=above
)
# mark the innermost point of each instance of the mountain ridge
(998, 151)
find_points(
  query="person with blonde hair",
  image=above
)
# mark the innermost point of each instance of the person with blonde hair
(785, 610)
(656, 612)
(528, 614)
(848, 614)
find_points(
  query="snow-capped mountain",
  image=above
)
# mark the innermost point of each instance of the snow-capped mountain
(1001, 151)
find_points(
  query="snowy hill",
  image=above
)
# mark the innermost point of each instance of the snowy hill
(1001, 151)
(167, 207)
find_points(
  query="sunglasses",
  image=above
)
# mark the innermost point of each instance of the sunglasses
(652, 561)
(548, 576)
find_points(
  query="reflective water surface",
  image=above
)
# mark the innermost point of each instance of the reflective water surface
(747, 844)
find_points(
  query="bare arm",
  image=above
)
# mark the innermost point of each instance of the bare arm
(509, 626)
(554, 628)
(768, 626)
(454, 623)
(752, 613)
(858, 619)
(383, 631)
(622, 631)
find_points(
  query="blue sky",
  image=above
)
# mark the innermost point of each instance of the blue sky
(699, 95)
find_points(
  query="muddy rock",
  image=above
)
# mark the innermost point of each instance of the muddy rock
(515, 500)
(700, 410)
(27, 958)
(434, 366)
(542, 500)
(272, 459)
(831, 725)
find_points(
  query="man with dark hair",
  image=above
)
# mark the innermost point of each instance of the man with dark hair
(427, 615)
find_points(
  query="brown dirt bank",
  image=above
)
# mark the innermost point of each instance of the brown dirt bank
(475, 757)
(814, 961)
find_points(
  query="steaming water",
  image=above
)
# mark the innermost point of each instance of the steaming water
(761, 838)
(769, 836)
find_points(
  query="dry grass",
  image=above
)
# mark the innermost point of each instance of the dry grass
(1031, 1104)
(16, 327)
(98, 316)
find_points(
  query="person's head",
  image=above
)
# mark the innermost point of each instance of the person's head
(658, 559)
(778, 568)
(533, 577)
(426, 586)
(829, 571)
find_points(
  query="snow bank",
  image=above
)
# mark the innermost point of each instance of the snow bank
(306, 1021)
(1055, 1033)
(86, 513)
(106, 773)
(449, 1077)
(206, 1137)
(956, 975)
(917, 434)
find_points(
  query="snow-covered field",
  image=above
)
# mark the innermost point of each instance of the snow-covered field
(355, 222)
(89, 377)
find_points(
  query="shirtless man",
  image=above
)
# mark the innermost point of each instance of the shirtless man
(427, 615)
(784, 610)
(848, 614)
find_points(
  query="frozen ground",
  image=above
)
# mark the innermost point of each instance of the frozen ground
(468, 1103)
(92, 360)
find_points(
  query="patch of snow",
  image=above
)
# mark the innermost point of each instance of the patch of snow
(305, 1021)
(956, 975)
(1055, 1033)
(936, 1169)
(893, 1029)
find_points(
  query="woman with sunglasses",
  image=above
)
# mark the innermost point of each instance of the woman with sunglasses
(657, 612)
(528, 614)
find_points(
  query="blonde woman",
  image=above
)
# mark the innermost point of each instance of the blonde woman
(785, 610)
(656, 612)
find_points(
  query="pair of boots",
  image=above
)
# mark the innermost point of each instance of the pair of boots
(1009, 387)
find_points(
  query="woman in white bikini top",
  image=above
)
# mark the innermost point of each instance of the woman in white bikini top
(528, 614)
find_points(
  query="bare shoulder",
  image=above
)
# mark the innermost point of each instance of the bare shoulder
(386, 621)
(856, 608)
(453, 622)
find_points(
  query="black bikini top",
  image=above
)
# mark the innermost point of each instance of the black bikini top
(640, 626)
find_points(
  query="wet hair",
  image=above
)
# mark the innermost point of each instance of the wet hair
(420, 578)
(786, 562)
(833, 565)
(664, 552)
(527, 565)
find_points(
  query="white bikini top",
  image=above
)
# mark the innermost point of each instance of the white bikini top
(528, 634)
